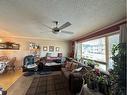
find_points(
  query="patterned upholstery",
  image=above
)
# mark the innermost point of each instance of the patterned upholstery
(29, 63)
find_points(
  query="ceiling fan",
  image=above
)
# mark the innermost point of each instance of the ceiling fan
(57, 29)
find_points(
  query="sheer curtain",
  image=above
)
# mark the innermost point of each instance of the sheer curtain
(77, 53)
(75, 49)
(123, 60)
(123, 33)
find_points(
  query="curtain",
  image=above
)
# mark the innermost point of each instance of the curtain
(123, 61)
(78, 50)
(123, 33)
(75, 49)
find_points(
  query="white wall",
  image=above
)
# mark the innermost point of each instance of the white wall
(24, 48)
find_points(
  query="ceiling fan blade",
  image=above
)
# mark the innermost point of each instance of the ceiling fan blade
(65, 25)
(67, 32)
(47, 26)
(44, 32)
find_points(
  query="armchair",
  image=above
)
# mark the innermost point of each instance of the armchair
(29, 64)
(11, 64)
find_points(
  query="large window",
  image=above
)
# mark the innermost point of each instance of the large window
(94, 49)
(100, 50)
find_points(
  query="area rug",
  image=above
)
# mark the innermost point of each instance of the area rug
(45, 73)
(48, 85)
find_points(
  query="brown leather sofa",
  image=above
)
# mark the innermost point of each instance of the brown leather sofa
(73, 80)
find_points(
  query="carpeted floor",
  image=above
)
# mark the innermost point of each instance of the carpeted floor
(48, 85)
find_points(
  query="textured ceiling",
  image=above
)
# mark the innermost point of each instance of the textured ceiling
(25, 18)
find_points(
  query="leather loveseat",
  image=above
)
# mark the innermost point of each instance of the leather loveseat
(73, 80)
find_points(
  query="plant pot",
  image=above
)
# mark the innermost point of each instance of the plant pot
(92, 84)
(104, 88)
(109, 91)
(101, 87)
(89, 84)
(95, 83)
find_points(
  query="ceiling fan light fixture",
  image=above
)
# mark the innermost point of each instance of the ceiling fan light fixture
(57, 30)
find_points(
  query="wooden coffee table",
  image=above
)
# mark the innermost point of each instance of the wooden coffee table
(53, 66)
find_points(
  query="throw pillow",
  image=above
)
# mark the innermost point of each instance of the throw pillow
(77, 69)
(68, 66)
(74, 66)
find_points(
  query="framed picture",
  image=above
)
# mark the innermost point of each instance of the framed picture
(3, 46)
(57, 49)
(15, 46)
(45, 48)
(9, 45)
(51, 48)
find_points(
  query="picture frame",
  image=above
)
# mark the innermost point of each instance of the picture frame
(3, 46)
(57, 49)
(51, 48)
(15, 46)
(9, 45)
(45, 48)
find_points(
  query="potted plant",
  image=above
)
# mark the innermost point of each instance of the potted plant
(100, 83)
(103, 84)
(95, 84)
(91, 81)
(119, 55)
(90, 63)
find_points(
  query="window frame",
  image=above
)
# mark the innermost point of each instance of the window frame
(106, 46)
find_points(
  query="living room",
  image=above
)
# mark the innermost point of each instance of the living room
(44, 38)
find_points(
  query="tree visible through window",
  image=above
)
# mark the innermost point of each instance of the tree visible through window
(112, 40)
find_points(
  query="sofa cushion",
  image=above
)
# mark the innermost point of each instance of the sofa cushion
(73, 66)
(66, 72)
(81, 65)
(77, 69)
(68, 66)
(75, 82)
